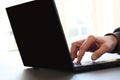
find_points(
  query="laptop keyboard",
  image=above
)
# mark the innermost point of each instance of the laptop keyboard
(86, 63)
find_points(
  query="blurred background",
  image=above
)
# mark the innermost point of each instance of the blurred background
(7, 41)
(79, 19)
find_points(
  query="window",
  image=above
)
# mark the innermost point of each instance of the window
(81, 18)
(76, 17)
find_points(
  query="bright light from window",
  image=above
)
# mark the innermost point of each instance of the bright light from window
(7, 41)
(78, 18)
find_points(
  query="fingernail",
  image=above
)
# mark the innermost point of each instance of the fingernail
(72, 58)
(78, 61)
(94, 57)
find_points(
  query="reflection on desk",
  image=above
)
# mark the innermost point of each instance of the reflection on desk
(45, 74)
(48, 74)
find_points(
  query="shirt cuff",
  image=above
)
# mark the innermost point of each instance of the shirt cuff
(117, 35)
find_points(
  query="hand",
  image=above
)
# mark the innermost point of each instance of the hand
(97, 45)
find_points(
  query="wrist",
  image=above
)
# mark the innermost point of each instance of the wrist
(115, 40)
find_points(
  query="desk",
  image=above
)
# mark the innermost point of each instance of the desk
(11, 68)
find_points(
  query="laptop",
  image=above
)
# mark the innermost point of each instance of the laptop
(41, 40)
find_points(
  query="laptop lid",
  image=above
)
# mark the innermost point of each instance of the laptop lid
(39, 35)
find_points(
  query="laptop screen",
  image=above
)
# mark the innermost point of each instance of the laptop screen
(39, 34)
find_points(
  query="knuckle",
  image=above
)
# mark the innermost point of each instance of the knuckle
(91, 37)
(73, 44)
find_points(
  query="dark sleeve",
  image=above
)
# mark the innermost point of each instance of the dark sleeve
(116, 33)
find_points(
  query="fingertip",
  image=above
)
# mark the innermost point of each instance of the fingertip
(73, 56)
(72, 59)
(78, 61)
(94, 57)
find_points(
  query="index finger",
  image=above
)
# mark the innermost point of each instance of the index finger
(74, 48)
(84, 47)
